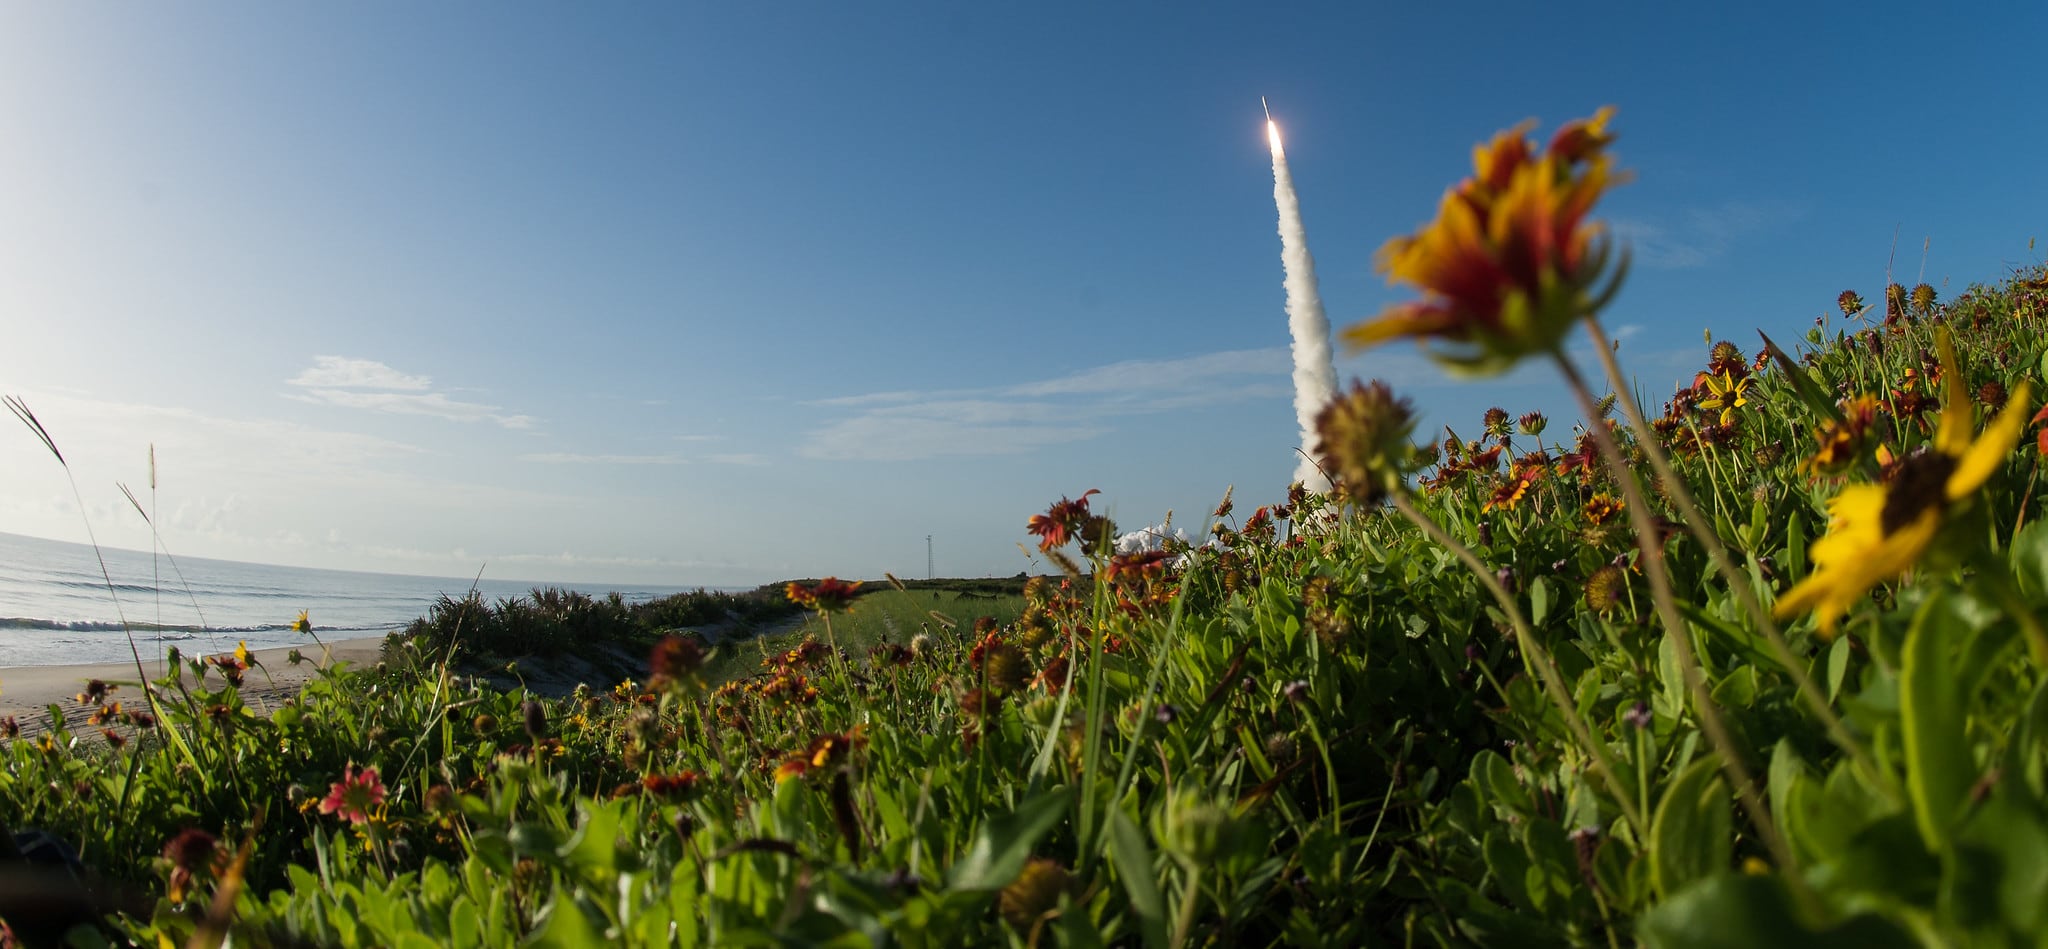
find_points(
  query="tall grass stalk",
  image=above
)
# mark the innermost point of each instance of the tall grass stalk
(1651, 545)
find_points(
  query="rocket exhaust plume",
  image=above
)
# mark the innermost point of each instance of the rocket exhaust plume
(1315, 375)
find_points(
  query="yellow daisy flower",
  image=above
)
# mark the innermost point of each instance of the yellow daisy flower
(1726, 394)
(1878, 531)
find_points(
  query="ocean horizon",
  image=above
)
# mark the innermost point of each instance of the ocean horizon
(56, 607)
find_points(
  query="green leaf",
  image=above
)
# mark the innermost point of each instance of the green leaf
(1802, 385)
(567, 927)
(595, 844)
(1496, 780)
(1755, 912)
(1838, 666)
(1002, 845)
(1539, 601)
(1795, 544)
(1133, 861)
(1939, 770)
(1693, 832)
(2000, 866)
(2029, 557)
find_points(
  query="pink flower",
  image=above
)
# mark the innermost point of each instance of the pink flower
(354, 795)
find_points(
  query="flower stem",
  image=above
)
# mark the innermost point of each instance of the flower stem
(1532, 650)
(1651, 546)
(1738, 580)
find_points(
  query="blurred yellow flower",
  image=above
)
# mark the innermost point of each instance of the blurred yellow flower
(1510, 261)
(304, 624)
(1878, 531)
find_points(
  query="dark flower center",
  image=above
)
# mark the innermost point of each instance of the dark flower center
(1921, 483)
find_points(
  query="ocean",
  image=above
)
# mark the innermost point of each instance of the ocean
(55, 607)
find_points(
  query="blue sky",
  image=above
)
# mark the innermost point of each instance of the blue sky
(724, 293)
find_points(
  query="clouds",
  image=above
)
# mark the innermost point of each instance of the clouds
(1698, 237)
(907, 425)
(579, 458)
(374, 386)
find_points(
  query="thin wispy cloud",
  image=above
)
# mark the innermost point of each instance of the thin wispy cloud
(905, 425)
(1697, 237)
(374, 386)
(573, 458)
(341, 372)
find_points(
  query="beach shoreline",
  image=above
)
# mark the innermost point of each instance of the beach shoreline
(27, 692)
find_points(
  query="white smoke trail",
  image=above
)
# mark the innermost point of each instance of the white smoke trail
(1315, 374)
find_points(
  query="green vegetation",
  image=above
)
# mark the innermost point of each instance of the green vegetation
(1500, 691)
(884, 616)
(549, 622)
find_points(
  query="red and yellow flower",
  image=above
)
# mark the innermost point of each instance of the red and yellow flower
(1511, 259)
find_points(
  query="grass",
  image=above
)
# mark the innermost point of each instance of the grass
(884, 616)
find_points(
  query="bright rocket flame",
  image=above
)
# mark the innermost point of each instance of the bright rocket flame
(1273, 134)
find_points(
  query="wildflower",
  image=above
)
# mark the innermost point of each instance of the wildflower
(830, 595)
(1603, 507)
(1638, 715)
(191, 853)
(114, 739)
(1531, 423)
(1840, 441)
(1509, 493)
(1894, 304)
(1992, 395)
(1604, 588)
(231, 666)
(1850, 303)
(354, 795)
(1727, 392)
(10, 728)
(1034, 893)
(95, 692)
(1495, 422)
(1510, 261)
(1923, 298)
(675, 660)
(536, 718)
(304, 624)
(1726, 358)
(1877, 531)
(1061, 521)
(671, 786)
(191, 849)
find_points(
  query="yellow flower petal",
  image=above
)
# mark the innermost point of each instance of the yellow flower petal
(1857, 555)
(1952, 435)
(1991, 449)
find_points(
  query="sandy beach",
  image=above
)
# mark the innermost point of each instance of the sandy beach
(26, 692)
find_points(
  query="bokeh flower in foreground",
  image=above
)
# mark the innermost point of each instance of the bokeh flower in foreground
(830, 595)
(1364, 440)
(1511, 260)
(1878, 531)
(353, 797)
